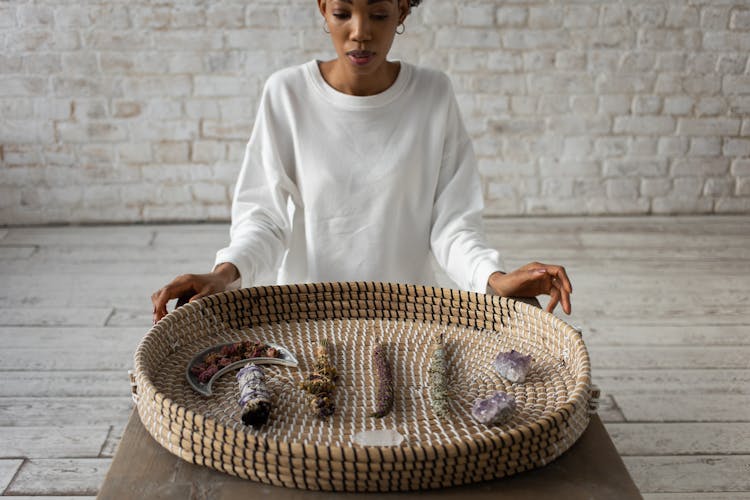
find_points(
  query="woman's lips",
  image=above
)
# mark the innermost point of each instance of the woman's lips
(360, 58)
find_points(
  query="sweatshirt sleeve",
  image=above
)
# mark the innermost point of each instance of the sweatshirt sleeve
(261, 226)
(457, 234)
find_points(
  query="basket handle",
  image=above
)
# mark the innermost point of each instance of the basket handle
(595, 393)
(133, 386)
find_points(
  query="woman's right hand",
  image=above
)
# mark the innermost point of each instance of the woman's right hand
(189, 287)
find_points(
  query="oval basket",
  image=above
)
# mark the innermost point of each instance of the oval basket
(294, 449)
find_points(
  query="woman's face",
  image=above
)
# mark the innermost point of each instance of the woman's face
(362, 30)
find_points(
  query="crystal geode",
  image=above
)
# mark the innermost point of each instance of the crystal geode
(513, 365)
(494, 409)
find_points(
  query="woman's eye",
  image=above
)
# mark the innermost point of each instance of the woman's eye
(380, 17)
(340, 15)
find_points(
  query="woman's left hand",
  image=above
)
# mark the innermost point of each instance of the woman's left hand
(535, 279)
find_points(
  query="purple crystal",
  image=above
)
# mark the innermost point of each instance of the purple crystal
(494, 409)
(513, 365)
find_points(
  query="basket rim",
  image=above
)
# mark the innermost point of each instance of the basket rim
(576, 402)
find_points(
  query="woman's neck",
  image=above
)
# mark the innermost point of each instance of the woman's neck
(359, 84)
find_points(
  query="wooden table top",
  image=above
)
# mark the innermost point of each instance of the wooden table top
(143, 469)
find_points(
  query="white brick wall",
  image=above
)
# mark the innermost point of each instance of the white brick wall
(130, 110)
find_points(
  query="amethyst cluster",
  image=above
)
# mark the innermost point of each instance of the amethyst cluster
(513, 365)
(494, 409)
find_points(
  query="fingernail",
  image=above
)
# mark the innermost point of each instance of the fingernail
(540, 271)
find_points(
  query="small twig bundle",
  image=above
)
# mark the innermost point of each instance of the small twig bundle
(438, 373)
(322, 382)
(384, 387)
(255, 400)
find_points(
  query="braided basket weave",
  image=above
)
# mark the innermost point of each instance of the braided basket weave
(294, 449)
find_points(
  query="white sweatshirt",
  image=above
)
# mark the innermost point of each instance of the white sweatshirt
(336, 187)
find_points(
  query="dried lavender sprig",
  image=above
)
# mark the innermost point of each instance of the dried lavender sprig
(321, 382)
(384, 382)
(438, 373)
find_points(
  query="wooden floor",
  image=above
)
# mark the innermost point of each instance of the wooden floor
(663, 303)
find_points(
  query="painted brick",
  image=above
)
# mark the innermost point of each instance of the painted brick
(536, 39)
(209, 193)
(732, 205)
(699, 167)
(26, 132)
(740, 19)
(622, 188)
(726, 40)
(643, 125)
(581, 16)
(736, 84)
(171, 152)
(546, 17)
(134, 152)
(681, 205)
(715, 17)
(718, 186)
(705, 146)
(741, 167)
(511, 16)
(678, 105)
(92, 131)
(682, 16)
(225, 16)
(476, 15)
(672, 146)
(708, 126)
(635, 167)
(655, 186)
(671, 61)
(743, 186)
(647, 105)
(736, 147)
(731, 64)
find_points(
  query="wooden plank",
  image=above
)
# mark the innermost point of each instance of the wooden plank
(91, 290)
(8, 469)
(685, 408)
(3, 233)
(632, 335)
(54, 316)
(669, 357)
(51, 497)
(129, 235)
(55, 412)
(134, 317)
(113, 441)
(681, 438)
(690, 474)
(61, 337)
(39, 266)
(681, 381)
(64, 442)
(65, 383)
(125, 255)
(608, 410)
(14, 254)
(57, 476)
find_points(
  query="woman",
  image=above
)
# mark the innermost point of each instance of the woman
(356, 169)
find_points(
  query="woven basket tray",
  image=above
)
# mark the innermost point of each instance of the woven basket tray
(294, 449)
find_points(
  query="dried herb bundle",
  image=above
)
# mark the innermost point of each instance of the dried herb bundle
(255, 400)
(322, 382)
(438, 373)
(384, 387)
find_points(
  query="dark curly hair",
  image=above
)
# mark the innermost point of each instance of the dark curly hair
(414, 3)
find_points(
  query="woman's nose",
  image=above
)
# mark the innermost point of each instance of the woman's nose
(360, 28)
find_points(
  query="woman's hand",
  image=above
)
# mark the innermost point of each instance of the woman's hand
(535, 279)
(189, 287)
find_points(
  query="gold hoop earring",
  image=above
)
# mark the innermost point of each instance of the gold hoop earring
(325, 25)
(402, 31)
